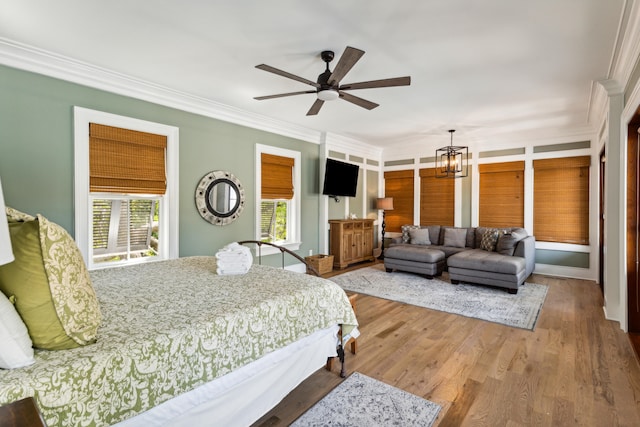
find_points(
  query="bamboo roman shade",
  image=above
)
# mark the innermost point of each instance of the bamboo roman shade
(561, 200)
(501, 200)
(399, 185)
(437, 199)
(126, 161)
(277, 177)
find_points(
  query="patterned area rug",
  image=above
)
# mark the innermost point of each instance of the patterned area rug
(362, 401)
(480, 302)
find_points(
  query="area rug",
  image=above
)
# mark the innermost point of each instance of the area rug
(363, 401)
(481, 302)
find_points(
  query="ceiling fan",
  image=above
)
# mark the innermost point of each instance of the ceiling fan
(328, 86)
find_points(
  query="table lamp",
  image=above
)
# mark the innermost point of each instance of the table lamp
(386, 204)
(6, 254)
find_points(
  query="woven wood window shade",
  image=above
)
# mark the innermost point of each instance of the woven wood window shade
(126, 161)
(277, 177)
(561, 200)
(437, 199)
(501, 200)
(399, 185)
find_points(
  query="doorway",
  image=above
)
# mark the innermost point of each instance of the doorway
(601, 222)
(633, 225)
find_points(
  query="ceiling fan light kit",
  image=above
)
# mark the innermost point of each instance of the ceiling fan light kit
(328, 95)
(328, 87)
(452, 161)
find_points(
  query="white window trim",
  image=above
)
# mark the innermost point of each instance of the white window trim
(294, 241)
(169, 242)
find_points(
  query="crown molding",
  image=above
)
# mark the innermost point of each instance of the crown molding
(627, 47)
(29, 58)
(352, 146)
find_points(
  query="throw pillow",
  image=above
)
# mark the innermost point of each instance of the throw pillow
(509, 239)
(16, 350)
(406, 237)
(455, 237)
(51, 286)
(14, 215)
(419, 236)
(489, 239)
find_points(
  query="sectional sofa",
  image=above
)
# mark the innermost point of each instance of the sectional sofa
(502, 257)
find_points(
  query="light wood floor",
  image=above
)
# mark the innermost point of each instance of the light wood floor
(576, 368)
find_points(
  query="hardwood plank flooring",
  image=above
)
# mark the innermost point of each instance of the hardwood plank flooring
(576, 368)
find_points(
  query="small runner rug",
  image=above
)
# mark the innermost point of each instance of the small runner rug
(363, 401)
(481, 302)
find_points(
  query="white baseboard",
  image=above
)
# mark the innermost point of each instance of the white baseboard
(564, 271)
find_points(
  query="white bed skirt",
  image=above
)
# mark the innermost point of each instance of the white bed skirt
(244, 395)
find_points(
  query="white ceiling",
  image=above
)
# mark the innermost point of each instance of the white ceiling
(485, 68)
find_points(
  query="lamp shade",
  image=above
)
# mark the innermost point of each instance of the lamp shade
(6, 254)
(385, 203)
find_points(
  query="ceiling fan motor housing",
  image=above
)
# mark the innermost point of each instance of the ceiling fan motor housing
(327, 56)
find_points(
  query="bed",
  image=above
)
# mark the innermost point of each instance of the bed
(181, 345)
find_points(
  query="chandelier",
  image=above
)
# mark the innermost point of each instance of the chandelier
(452, 161)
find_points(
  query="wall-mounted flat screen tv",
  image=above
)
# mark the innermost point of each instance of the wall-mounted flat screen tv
(340, 179)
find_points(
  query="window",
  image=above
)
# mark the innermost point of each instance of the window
(399, 185)
(437, 199)
(501, 201)
(561, 200)
(278, 180)
(125, 189)
(124, 228)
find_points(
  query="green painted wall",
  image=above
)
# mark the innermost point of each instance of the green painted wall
(36, 156)
(356, 203)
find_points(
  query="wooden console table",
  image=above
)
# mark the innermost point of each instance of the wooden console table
(351, 241)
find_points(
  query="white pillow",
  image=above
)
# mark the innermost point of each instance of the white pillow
(16, 350)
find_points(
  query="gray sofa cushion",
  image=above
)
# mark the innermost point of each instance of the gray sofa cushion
(470, 240)
(448, 250)
(414, 253)
(477, 259)
(456, 237)
(509, 239)
(420, 236)
(434, 233)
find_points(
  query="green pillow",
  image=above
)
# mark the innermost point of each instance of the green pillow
(51, 285)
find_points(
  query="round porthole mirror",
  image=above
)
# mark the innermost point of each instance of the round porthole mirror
(219, 197)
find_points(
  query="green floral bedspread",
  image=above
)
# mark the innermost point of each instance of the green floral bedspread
(167, 328)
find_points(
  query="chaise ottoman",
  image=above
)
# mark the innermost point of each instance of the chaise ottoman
(414, 259)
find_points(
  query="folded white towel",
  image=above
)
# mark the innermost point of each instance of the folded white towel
(231, 255)
(230, 272)
(242, 263)
(235, 253)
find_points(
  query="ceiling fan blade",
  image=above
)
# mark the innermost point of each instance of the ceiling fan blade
(349, 57)
(285, 74)
(396, 81)
(315, 108)
(358, 101)
(280, 95)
